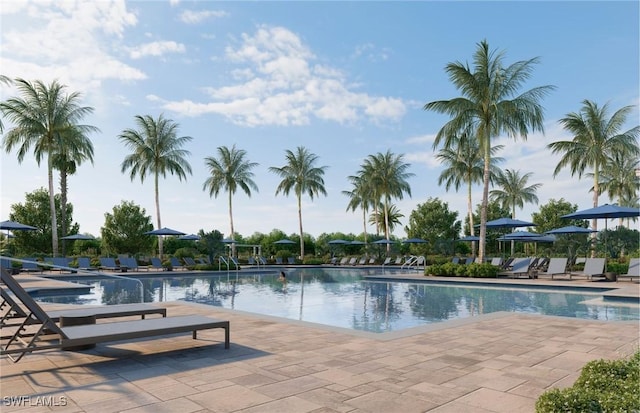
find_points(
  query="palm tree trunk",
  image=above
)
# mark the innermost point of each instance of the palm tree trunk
(233, 233)
(364, 223)
(300, 223)
(594, 221)
(485, 201)
(470, 209)
(63, 208)
(52, 206)
(386, 222)
(157, 196)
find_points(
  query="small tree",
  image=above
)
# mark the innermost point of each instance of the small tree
(36, 212)
(124, 228)
(434, 222)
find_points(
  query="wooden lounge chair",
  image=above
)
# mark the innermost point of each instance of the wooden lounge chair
(22, 343)
(291, 261)
(176, 264)
(156, 264)
(634, 270)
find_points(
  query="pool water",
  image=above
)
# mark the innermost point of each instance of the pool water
(343, 298)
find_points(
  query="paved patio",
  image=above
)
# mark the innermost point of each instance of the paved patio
(493, 363)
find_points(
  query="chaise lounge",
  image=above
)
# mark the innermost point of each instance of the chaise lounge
(22, 343)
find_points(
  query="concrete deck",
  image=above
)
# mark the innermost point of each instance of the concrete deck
(493, 363)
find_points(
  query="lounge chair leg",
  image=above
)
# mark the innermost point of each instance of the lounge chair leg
(195, 334)
(226, 337)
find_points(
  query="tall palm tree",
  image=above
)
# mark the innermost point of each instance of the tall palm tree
(490, 107)
(596, 139)
(387, 173)
(45, 117)
(228, 172)
(463, 163)
(302, 176)
(359, 197)
(156, 149)
(77, 149)
(514, 191)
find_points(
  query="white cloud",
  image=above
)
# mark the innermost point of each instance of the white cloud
(279, 83)
(156, 49)
(69, 41)
(194, 17)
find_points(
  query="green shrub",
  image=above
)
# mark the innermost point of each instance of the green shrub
(461, 270)
(313, 261)
(617, 268)
(603, 386)
(482, 270)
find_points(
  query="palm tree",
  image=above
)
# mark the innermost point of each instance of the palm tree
(514, 192)
(359, 197)
(393, 214)
(618, 178)
(228, 172)
(387, 173)
(77, 149)
(596, 140)
(302, 176)
(464, 164)
(156, 149)
(45, 118)
(489, 107)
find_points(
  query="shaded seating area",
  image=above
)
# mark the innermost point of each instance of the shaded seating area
(156, 264)
(40, 332)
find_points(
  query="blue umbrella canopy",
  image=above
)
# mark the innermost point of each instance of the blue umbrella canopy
(284, 241)
(228, 241)
(508, 223)
(337, 242)
(80, 237)
(16, 226)
(414, 241)
(190, 237)
(164, 231)
(470, 238)
(605, 211)
(384, 241)
(571, 229)
(357, 242)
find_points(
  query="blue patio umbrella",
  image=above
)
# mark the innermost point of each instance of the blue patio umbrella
(508, 223)
(190, 237)
(357, 242)
(16, 226)
(338, 242)
(470, 238)
(384, 242)
(571, 229)
(284, 241)
(164, 231)
(414, 241)
(78, 237)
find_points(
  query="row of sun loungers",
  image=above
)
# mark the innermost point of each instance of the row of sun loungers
(30, 328)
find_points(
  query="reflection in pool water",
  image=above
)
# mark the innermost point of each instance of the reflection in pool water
(341, 298)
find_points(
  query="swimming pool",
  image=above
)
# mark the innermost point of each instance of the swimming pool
(343, 298)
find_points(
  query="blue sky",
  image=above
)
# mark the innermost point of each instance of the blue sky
(343, 79)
